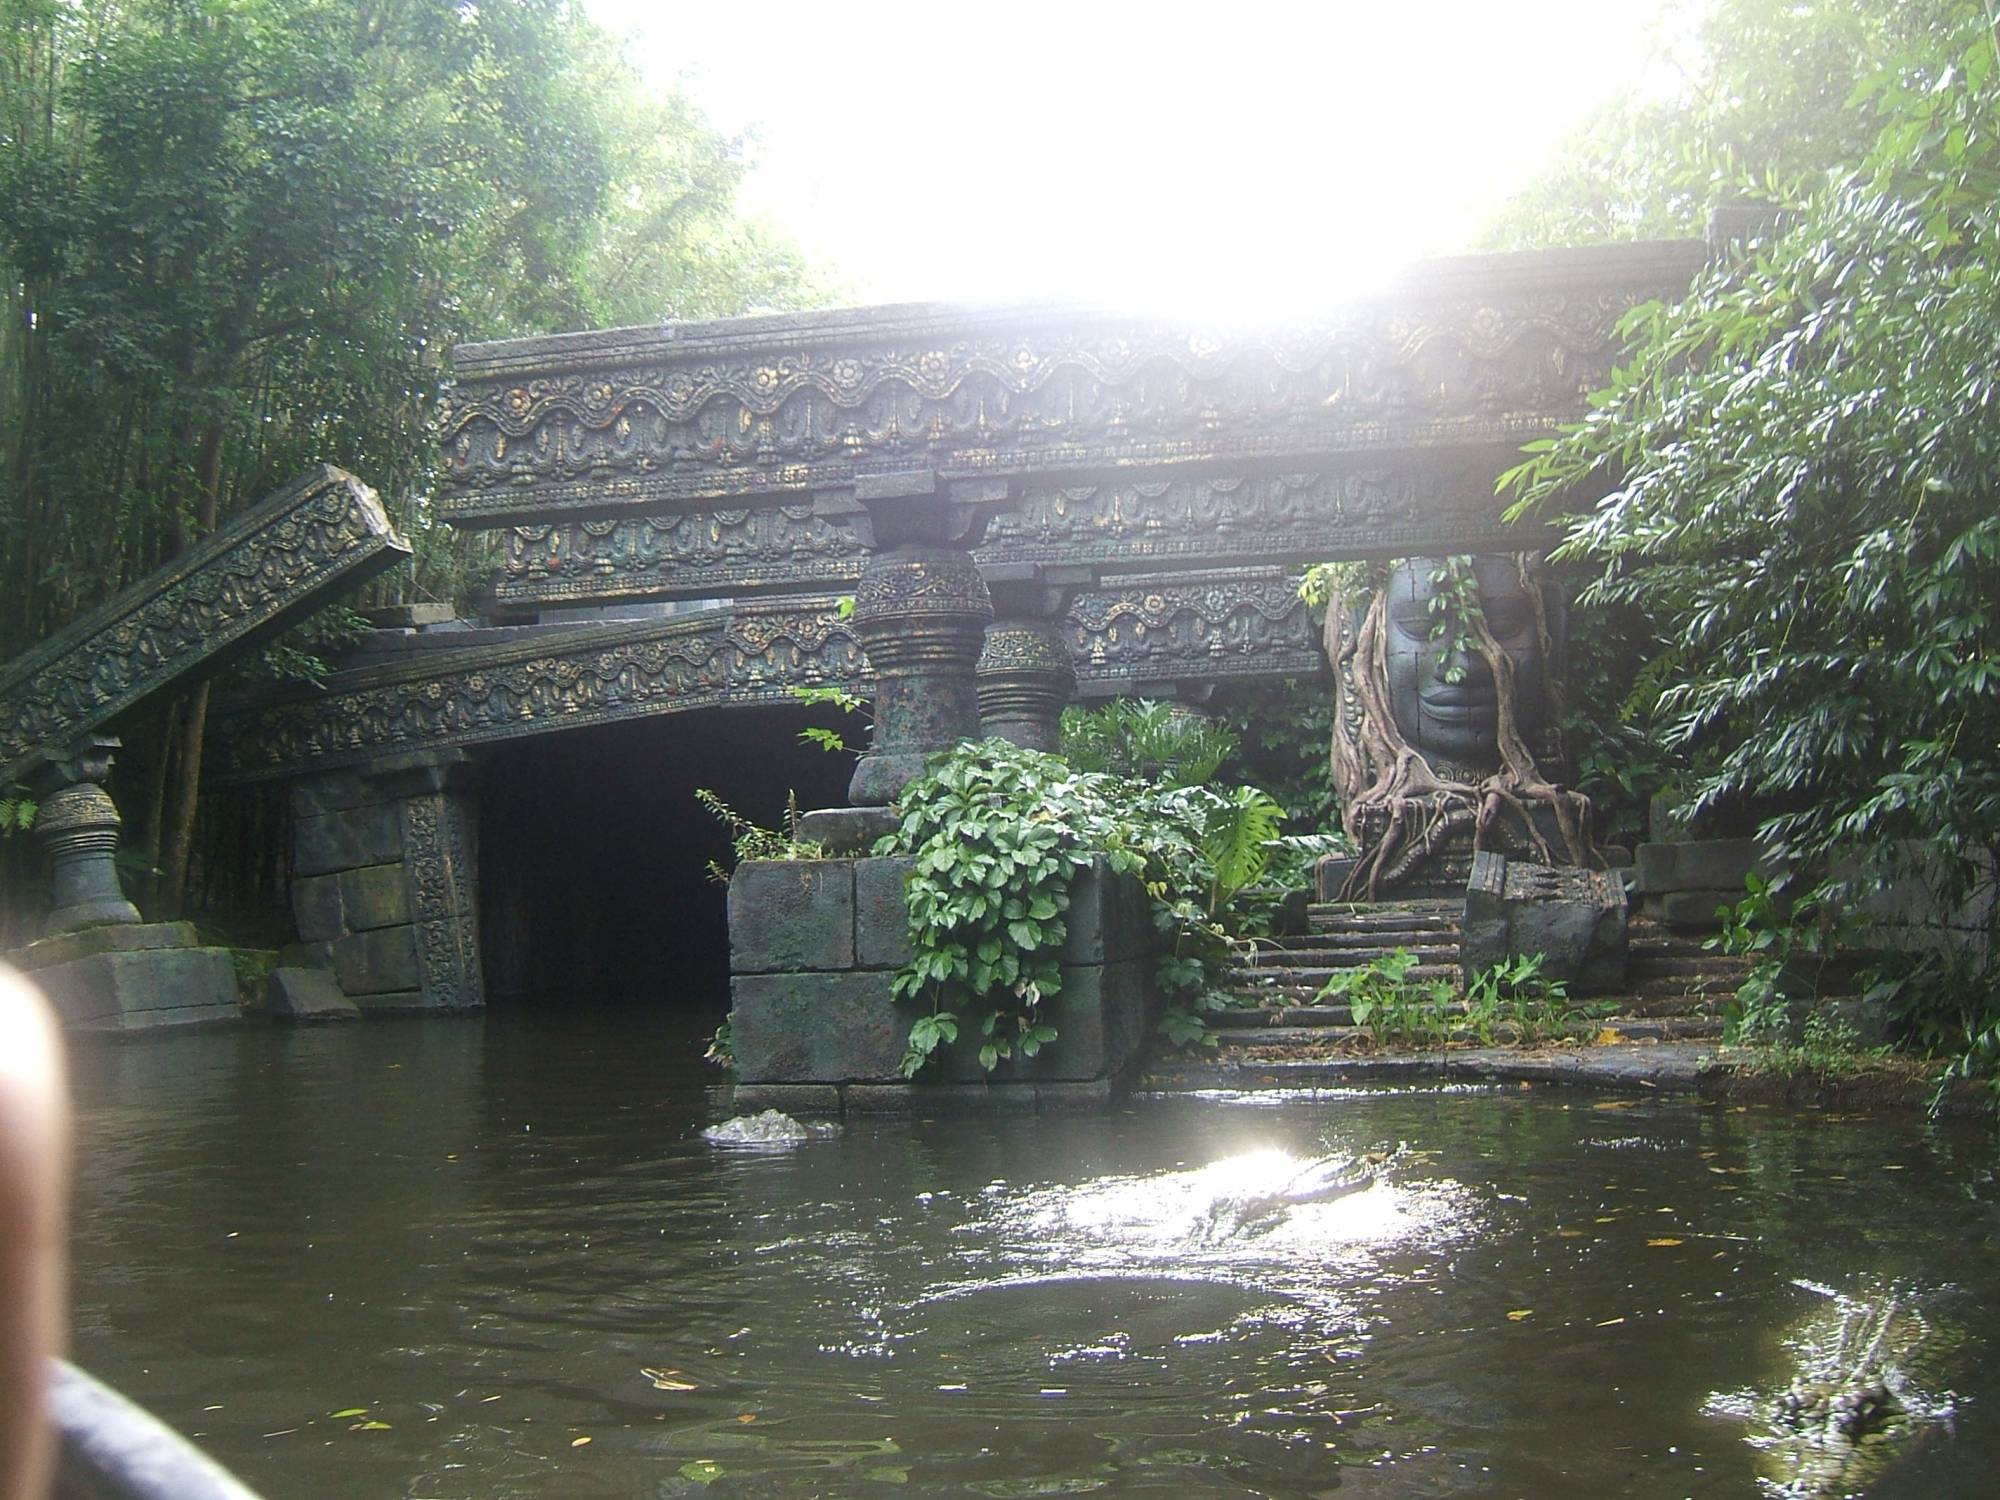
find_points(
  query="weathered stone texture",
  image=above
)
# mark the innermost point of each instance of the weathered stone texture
(143, 990)
(881, 917)
(372, 896)
(346, 840)
(815, 1028)
(791, 914)
(374, 963)
(306, 995)
(1575, 919)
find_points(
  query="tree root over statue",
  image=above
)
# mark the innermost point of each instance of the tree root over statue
(1377, 771)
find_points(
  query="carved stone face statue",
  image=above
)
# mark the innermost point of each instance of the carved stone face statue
(1456, 724)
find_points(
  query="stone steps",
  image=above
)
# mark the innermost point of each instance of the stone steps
(1675, 992)
(1629, 1028)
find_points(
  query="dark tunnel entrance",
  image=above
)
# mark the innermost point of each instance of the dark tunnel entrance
(593, 853)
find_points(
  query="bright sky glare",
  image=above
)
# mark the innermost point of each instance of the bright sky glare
(1227, 157)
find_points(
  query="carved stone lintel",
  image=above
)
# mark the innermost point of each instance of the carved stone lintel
(252, 576)
(921, 614)
(77, 825)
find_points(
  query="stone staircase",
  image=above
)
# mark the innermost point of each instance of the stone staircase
(1675, 988)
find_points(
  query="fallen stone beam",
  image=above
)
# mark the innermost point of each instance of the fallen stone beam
(244, 582)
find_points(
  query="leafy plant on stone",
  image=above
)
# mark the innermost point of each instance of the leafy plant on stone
(1143, 740)
(830, 740)
(752, 840)
(1382, 996)
(17, 814)
(999, 833)
(1515, 999)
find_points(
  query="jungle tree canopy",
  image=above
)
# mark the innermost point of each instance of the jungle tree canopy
(1803, 455)
(241, 236)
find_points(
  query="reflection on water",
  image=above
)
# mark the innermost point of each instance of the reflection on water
(496, 1258)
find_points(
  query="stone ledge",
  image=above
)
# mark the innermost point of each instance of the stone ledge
(86, 942)
(144, 990)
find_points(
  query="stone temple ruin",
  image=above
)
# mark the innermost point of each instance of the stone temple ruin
(1027, 506)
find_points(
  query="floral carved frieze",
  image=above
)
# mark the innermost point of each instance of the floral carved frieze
(1235, 624)
(1421, 505)
(285, 555)
(1194, 627)
(544, 682)
(1490, 350)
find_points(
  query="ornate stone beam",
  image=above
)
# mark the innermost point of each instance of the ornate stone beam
(1141, 634)
(1484, 350)
(1422, 504)
(548, 680)
(1155, 633)
(251, 577)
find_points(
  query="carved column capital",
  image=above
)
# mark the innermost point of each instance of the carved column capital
(1025, 679)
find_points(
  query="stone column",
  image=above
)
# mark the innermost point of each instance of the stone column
(1025, 674)
(920, 610)
(921, 613)
(77, 824)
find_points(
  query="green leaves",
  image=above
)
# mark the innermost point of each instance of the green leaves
(1801, 456)
(998, 834)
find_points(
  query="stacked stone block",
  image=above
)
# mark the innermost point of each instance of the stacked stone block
(384, 885)
(814, 945)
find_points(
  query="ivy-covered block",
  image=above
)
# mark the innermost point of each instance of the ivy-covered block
(1099, 1018)
(1109, 918)
(881, 914)
(815, 1028)
(791, 914)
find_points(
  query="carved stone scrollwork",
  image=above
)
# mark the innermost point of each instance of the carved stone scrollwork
(1158, 630)
(1493, 350)
(284, 555)
(921, 614)
(547, 681)
(444, 897)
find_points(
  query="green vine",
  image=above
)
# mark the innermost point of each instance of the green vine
(999, 834)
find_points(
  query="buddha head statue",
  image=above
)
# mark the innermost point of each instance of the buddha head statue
(1441, 690)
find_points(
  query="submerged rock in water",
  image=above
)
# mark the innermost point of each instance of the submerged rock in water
(771, 1128)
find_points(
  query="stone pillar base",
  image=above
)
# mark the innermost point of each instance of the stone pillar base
(135, 977)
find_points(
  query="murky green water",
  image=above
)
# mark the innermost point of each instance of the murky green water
(494, 1258)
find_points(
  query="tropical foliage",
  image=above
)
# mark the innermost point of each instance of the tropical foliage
(999, 834)
(242, 236)
(1801, 456)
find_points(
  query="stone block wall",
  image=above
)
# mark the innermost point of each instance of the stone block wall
(814, 944)
(385, 884)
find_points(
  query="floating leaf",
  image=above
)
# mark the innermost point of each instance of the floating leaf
(1666, 1240)
(369, 1427)
(578, 1442)
(352, 1411)
(747, 1416)
(1610, 1323)
(668, 1380)
(1520, 1313)
(701, 1470)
